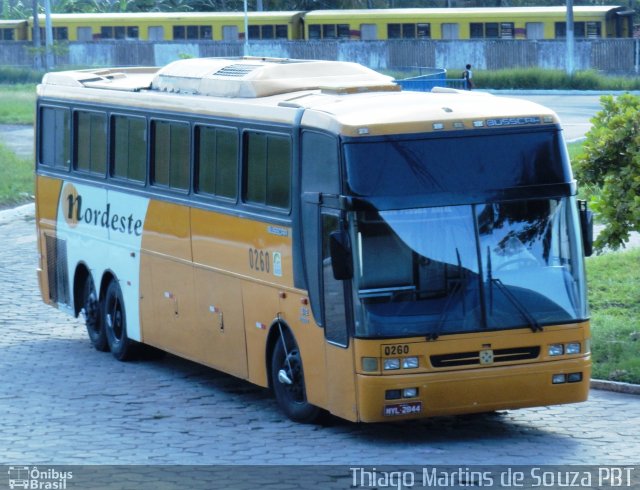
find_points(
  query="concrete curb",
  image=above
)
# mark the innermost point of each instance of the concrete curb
(615, 386)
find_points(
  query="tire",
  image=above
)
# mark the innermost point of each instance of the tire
(115, 324)
(291, 398)
(93, 316)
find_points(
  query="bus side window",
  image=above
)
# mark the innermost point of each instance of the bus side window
(90, 142)
(268, 169)
(55, 130)
(129, 148)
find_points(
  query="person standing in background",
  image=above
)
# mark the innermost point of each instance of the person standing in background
(467, 76)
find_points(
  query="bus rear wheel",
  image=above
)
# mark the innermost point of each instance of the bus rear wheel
(115, 323)
(287, 379)
(93, 316)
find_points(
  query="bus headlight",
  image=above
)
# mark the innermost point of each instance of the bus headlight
(410, 363)
(558, 379)
(390, 364)
(573, 348)
(556, 349)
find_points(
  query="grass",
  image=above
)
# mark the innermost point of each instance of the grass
(614, 297)
(16, 178)
(17, 104)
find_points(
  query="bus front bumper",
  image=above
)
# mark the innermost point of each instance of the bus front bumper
(472, 391)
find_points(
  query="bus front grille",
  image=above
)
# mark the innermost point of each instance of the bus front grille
(473, 358)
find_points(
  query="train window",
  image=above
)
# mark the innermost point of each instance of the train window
(476, 30)
(329, 31)
(191, 32)
(254, 32)
(216, 161)
(119, 32)
(268, 169)
(593, 30)
(394, 31)
(506, 30)
(6, 34)
(54, 137)
(59, 33)
(314, 31)
(408, 31)
(90, 142)
(579, 29)
(281, 31)
(343, 31)
(268, 32)
(424, 31)
(491, 30)
(170, 157)
(129, 139)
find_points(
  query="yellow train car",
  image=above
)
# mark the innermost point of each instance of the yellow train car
(467, 23)
(13, 30)
(307, 226)
(188, 26)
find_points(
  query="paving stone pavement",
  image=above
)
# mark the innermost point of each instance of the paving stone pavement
(61, 402)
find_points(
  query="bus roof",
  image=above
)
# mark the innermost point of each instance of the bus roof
(344, 98)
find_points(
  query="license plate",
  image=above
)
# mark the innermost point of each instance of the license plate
(402, 409)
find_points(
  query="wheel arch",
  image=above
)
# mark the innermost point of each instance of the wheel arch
(272, 338)
(107, 277)
(80, 276)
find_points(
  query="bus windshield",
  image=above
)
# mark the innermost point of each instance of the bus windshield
(441, 270)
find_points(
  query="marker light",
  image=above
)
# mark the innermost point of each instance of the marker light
(573, 348)
(390, 364)
(410, 363)
(556, 349)
(369, 364)
(574, 377)
(438, 125)
(392, 394)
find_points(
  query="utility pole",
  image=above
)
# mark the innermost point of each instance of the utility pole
(48, 32)
(570, 38)
(36, 38)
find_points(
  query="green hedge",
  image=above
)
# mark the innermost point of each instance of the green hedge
(9, 75)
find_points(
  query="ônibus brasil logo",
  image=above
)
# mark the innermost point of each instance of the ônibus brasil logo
(33, 478)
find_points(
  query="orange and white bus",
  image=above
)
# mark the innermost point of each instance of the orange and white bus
(307, 226)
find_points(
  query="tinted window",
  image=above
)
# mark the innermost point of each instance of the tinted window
(268, 169)
(54, 137)
(91, 142)
(170, 157)
(216, 161)
(129, 159)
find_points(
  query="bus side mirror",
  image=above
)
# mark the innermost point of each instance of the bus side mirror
(341, 262)
(586, 225)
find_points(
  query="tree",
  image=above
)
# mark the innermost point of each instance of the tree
(611, 163)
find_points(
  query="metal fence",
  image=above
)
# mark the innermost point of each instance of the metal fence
(608, 55)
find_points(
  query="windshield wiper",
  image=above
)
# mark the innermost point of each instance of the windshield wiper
(522, 309)
(457, 290)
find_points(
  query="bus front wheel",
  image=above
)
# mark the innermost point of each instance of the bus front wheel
(93, 316)
(115, 323)
(287, 379)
